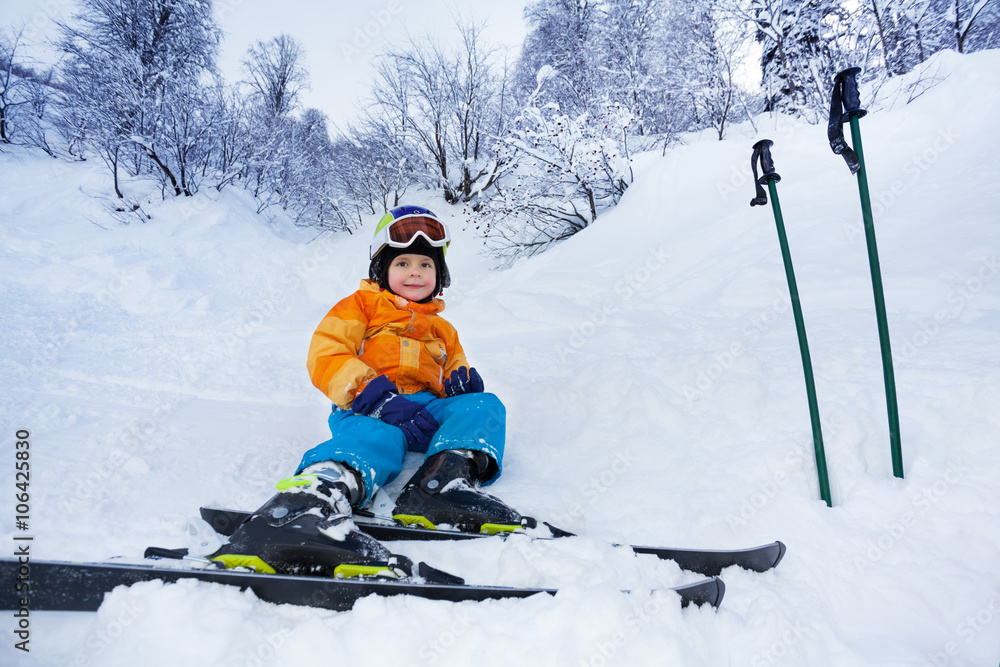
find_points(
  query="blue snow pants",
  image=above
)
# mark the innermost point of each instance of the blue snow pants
(376, 450)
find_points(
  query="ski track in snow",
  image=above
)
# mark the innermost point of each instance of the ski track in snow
(654, 391)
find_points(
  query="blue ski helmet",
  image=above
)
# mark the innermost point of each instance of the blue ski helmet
(409, 229)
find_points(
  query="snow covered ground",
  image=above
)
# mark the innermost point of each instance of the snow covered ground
(654, 391)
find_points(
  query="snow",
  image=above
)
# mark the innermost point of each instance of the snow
(654, 390)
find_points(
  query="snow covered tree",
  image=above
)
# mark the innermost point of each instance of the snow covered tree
(910, 31)
(447, 104)
(660, 58)
(800, 50)
(631, 56)
(188, 131)
(697, 57)
(924, 23)
(10, 84)
(131, 67)
(797, 62)
(975, 22)
(232, 141)
(25, 96)
(307, 189)
(372, 165)
(564, 171)
(277, 74)
(896, 41)
(712, 71)
(561, 38)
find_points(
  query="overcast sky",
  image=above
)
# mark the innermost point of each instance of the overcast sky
(339, 36)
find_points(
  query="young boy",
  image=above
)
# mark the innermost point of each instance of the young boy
(399, 381)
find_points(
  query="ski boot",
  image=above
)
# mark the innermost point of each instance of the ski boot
(445, 492)
(306, 528)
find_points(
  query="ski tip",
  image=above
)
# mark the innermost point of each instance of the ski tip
(557, 532)
(432, 575)
(720, 592)
(708, 591)
(781, 552)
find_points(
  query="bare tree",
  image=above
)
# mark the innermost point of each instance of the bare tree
(12, 87)
(447, 107)
(801, 43)
(967, 15)
(131, 65)
(372, 165)
(561, 36)
(277, 74)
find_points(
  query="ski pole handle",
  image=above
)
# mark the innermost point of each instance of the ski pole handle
(762, 155)
(851, 96)
(845, 103)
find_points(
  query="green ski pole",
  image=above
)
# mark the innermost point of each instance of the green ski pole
(845, 106)
(762, 154)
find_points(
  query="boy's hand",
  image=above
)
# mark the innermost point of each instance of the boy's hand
(381, 400)
(463, 381)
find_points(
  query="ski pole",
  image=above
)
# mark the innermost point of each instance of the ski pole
(845, 106)
(762, 154)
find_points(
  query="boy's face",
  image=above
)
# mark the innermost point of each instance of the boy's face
(412, 277)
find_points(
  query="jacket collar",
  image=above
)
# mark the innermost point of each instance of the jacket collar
(431, 307)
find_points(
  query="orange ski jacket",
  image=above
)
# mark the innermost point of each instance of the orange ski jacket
(374, 332)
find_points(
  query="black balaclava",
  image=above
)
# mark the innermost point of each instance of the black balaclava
(378, 270)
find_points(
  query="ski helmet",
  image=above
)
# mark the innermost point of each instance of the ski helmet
(407, 229)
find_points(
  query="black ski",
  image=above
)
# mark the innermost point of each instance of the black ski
(67, 586)
(709, 562)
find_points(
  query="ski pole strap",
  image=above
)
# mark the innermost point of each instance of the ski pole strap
(762, 154)
(844, 102)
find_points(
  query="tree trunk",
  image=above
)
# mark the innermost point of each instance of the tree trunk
(881, 36)
(114, 171)
(151, 154)
(959, 37)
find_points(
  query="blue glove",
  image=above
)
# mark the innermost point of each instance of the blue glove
(463, 381)
(381, 400)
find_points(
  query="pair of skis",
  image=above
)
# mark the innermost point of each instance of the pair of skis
(69, 586)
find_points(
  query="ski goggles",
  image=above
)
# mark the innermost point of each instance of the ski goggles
(401, 232)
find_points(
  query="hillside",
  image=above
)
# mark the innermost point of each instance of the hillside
(654, 392)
